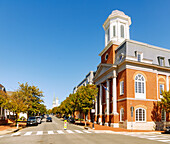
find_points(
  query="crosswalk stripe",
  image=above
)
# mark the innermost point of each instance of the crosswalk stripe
(60, 131)
(86, 131)
(28, 133)
(39, 132)
(78, 131)
(164, 140)
(15, 134)
(69, 131)
(50, 132)
(156, 138)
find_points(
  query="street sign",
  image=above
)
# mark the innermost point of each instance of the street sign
(65, 124)
(92, 110)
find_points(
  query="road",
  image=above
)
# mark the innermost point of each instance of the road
(53, 133)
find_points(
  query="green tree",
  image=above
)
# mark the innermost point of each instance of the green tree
(86, 95)
(165, 101)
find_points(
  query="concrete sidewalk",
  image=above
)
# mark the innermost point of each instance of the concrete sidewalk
(107, 129)
(7, 129)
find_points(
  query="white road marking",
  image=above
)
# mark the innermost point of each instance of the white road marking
(69, 131)
(164, 140)
(60, 131)
(78, 131)
(15, 134)
(1, 136)
(156, 138)
(50, 132)
(28, 133)
(86, 131)
(39, 133)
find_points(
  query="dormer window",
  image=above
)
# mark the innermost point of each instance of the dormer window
(161, 61)
(139, 56)
(122, 31)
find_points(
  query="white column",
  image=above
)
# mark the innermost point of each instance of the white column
(167, 83)
(107, 97)
(96, 105)
(114, 93)
(100, 99)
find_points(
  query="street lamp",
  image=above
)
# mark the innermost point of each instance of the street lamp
(93, 111)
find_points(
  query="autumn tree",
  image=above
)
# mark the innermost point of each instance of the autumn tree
(86, 95)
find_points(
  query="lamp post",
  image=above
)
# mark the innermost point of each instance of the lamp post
(93, 111)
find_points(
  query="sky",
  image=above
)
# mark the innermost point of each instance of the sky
(54, 44)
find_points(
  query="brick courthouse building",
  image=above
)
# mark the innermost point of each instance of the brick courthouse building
(131, 74)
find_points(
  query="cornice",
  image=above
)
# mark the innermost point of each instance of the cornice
(105, 73)
(144, 64)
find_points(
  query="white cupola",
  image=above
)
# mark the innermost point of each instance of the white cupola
(116, 27)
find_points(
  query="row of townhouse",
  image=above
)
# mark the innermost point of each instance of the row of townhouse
(6, 114)
(130, 79)
(87, 80)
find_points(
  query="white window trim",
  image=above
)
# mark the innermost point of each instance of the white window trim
(121, 31)
(122, 90)
(140, 95)
(121, 114)
(142, 115)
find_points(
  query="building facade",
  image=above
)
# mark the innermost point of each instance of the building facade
(2, 109)
(87, 80)
(130, 79)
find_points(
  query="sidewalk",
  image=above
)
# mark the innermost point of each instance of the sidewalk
(7, 129)
(98, 128)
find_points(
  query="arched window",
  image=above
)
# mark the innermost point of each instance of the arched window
(121, 115)
(163, 115)
(140, 86)
(122, 31)
(140, 115)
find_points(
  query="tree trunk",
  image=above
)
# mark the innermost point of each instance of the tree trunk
(16, 118)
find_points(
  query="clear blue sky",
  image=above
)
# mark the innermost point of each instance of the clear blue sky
(54, 43)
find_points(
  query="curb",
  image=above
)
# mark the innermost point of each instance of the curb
(113, 132)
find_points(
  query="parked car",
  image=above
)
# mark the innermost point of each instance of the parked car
(167, 129)
(38, 119)
(48, 119)
(71, 120)
(32, 121)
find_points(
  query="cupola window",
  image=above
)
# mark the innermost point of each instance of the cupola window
(122, 31)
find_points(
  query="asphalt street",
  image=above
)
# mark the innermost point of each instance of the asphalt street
(54, 133)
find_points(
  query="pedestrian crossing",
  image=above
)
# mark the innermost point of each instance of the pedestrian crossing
(50, 132)
(154, 137)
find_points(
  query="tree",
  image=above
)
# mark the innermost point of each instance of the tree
(165, 101)
(86, 95)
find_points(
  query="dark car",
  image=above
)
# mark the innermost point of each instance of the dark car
(32, 121)
(167, 129)
(48, 119)
(71, 120)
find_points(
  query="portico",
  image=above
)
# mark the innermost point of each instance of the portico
(105, 79)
